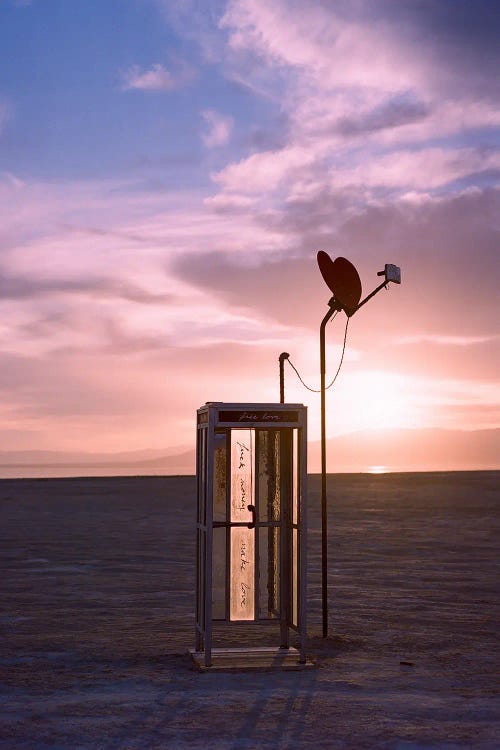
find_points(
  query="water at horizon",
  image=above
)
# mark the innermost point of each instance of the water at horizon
(75, 471)
(38, 471)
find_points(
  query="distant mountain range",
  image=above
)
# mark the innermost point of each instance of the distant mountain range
(157, 461)
(395, 450)
(410, 450)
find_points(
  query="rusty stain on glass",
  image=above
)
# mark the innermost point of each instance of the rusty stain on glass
(269, 475)
(269, 572)
(220, 462)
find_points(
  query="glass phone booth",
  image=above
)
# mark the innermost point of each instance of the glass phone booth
(251, 522)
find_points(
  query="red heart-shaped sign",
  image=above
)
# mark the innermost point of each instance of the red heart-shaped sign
(342, 279)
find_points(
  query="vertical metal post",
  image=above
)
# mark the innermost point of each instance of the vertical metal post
(285, 536)
(209, 526)
(324, 512)
(302, 518)
(198, 640)
(282, 357)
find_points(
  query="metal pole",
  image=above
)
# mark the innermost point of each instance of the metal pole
(372, 294)
(282, 357)
(324, 513)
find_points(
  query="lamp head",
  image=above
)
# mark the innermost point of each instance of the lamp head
(391, 273)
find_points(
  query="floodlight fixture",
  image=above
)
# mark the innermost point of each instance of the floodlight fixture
(391, 273)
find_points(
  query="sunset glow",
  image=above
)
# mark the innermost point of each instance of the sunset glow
(164, 191)
(377, 469)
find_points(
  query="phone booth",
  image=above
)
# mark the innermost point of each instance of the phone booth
(251, 529)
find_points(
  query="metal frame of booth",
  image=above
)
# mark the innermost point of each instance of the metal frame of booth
(251, 466)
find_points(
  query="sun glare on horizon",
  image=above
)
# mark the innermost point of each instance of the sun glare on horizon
(378, 469)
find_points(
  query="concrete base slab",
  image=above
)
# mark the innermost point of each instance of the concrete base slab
(263, 659)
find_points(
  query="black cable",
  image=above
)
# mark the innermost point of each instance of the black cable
(316, 390)
(342, 357)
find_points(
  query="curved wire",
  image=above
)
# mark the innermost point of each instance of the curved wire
(342, 357)
(313, 390)
(318, 390)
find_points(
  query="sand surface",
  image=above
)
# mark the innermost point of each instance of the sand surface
(97, 596)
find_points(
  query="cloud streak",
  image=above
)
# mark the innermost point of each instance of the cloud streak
(157, 78)
(23, 288)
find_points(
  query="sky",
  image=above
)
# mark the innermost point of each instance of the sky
(169, 170)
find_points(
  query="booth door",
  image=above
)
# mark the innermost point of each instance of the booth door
(256, 534)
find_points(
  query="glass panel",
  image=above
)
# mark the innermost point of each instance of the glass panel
(269, 475)
(295, 578)
(242, 484)
(220, 466)
(295, 477)
(219, 574)
(242, 601)
(269, 572)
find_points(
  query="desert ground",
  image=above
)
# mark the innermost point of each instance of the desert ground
(97, 582)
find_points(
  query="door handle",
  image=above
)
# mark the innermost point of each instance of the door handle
(251, 508)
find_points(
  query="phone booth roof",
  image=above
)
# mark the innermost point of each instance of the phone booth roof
(253, 414)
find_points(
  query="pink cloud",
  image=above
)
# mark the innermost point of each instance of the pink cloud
(157, 78)
(264, 171)
(317, 41)
(301, 170)
(422, 169)
(219, 128)
(348, 77)
(229, 202)
(361, 98)
(444, 340)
